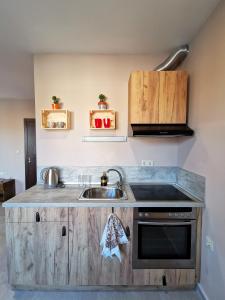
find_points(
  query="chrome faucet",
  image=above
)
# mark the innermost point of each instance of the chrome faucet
(120, 182)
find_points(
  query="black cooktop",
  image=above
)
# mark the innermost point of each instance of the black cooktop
(158, 192)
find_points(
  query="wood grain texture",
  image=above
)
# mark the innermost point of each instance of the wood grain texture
(173, 97)
(150, 105)
(135, 96)
(37, 253)
(29, 214)
(78, 246)
(198, 246)
(144, 97)
(20, 252)
(174, 277)
(158, 97)
(87, 266)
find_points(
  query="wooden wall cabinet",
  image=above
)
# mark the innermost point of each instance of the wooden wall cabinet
(158, 97)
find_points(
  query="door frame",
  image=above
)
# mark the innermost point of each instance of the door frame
(25, 122)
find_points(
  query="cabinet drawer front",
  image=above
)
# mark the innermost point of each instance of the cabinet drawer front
(14, 215)
(172, 277)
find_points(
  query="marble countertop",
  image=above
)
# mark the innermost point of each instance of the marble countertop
(38, 196)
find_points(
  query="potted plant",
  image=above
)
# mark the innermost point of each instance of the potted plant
(102, 104)
(55, 102)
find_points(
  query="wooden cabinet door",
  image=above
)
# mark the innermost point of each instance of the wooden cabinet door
(135, 97)
(173, 97)
(144, 97)
(38, 253)
(20, 251)
(158, 97)
(86, 264)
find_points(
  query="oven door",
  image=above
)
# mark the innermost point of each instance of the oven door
(164, 244)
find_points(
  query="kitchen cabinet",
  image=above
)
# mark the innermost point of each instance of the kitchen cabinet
(62, 248)
(37, 251)
(86, 264)
(158, 97)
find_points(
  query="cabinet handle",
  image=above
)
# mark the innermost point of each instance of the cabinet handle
(127, 231)
(164, 280)
(37, 217)
(64, 231)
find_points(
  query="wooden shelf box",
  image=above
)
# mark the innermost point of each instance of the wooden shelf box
(55, 119)
(106, 119)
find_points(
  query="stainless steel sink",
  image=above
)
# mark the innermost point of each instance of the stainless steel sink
(103, 193)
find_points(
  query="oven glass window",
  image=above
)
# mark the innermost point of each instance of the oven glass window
(164, 242)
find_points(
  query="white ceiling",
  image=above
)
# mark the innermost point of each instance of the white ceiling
(98, 26)
(101, 26)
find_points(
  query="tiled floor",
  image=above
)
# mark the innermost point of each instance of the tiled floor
(7, 294)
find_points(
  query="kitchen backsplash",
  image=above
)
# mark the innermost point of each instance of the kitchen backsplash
(192, 182)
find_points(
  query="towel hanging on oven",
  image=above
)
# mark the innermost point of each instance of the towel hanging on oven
(113, 236)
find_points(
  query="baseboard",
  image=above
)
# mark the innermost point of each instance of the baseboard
(202, 291)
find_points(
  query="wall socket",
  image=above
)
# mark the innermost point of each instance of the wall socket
(209, 243)
(147, 163)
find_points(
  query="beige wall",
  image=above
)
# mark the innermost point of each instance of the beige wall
(12, 113)
(78, 80)
(205, 153)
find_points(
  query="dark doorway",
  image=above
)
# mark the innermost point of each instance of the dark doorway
(30, 153)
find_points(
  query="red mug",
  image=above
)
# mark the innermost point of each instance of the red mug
(98, 123)
(107, 122)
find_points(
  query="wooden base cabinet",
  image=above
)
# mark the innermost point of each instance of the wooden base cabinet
(37, 251)
(62, 249)
(86, 264)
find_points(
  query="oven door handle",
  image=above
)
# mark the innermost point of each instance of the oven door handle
(159, 223)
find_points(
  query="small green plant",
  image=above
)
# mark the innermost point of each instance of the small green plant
(55, 100)
(102, 97)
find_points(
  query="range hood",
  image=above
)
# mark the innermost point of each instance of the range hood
(161, 130)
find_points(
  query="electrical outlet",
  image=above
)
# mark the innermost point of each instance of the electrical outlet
(147, 163)
(209, 243)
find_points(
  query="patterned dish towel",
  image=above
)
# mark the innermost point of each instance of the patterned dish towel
(113, 236)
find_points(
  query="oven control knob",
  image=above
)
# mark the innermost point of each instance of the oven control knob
(140, 214)
(176, 215)
(146, 214)
(182, 214)
(170, 215)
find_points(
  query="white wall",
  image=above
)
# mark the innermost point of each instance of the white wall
(78, 80)
(16, 74)
(12, 113)
(205, 153)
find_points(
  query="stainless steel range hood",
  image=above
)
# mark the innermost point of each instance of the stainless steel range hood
(171, 130)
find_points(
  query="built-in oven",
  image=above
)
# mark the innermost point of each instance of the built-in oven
(164, 237)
